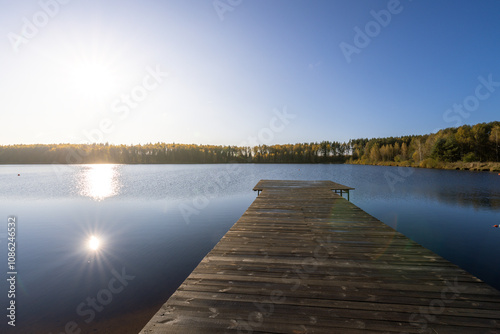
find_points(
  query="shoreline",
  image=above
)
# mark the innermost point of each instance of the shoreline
(432, 164)
(427, 163)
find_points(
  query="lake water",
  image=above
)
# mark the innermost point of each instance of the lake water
(156, 222)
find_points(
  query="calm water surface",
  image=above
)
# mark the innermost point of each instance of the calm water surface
(156, 222)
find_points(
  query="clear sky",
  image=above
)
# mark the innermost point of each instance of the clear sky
(244, 71)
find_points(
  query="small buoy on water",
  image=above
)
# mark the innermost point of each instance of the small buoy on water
(495, 225)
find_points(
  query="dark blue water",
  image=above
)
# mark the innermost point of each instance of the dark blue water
(156, 222)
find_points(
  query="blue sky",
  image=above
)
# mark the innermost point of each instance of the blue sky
(220, 72)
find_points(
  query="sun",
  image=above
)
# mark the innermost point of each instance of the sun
(94, 243)
(92, 78)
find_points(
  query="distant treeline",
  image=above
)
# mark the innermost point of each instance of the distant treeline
(161, 153)
(466, 143)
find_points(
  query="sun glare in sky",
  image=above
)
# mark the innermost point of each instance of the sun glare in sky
(91, 78)
(346, 69)
(94, 243)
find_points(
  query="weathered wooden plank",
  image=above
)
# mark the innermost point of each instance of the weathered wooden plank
(327, 294)
(302, 259)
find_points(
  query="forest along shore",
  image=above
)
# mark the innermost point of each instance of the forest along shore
(465, 148)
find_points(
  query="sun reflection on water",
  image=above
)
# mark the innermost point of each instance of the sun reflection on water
(100, 181)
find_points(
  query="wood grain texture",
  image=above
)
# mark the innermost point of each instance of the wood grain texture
(302, 259)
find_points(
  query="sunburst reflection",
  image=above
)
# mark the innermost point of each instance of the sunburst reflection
(100, 181)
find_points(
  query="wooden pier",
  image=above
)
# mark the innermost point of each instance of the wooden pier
(302, 259)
